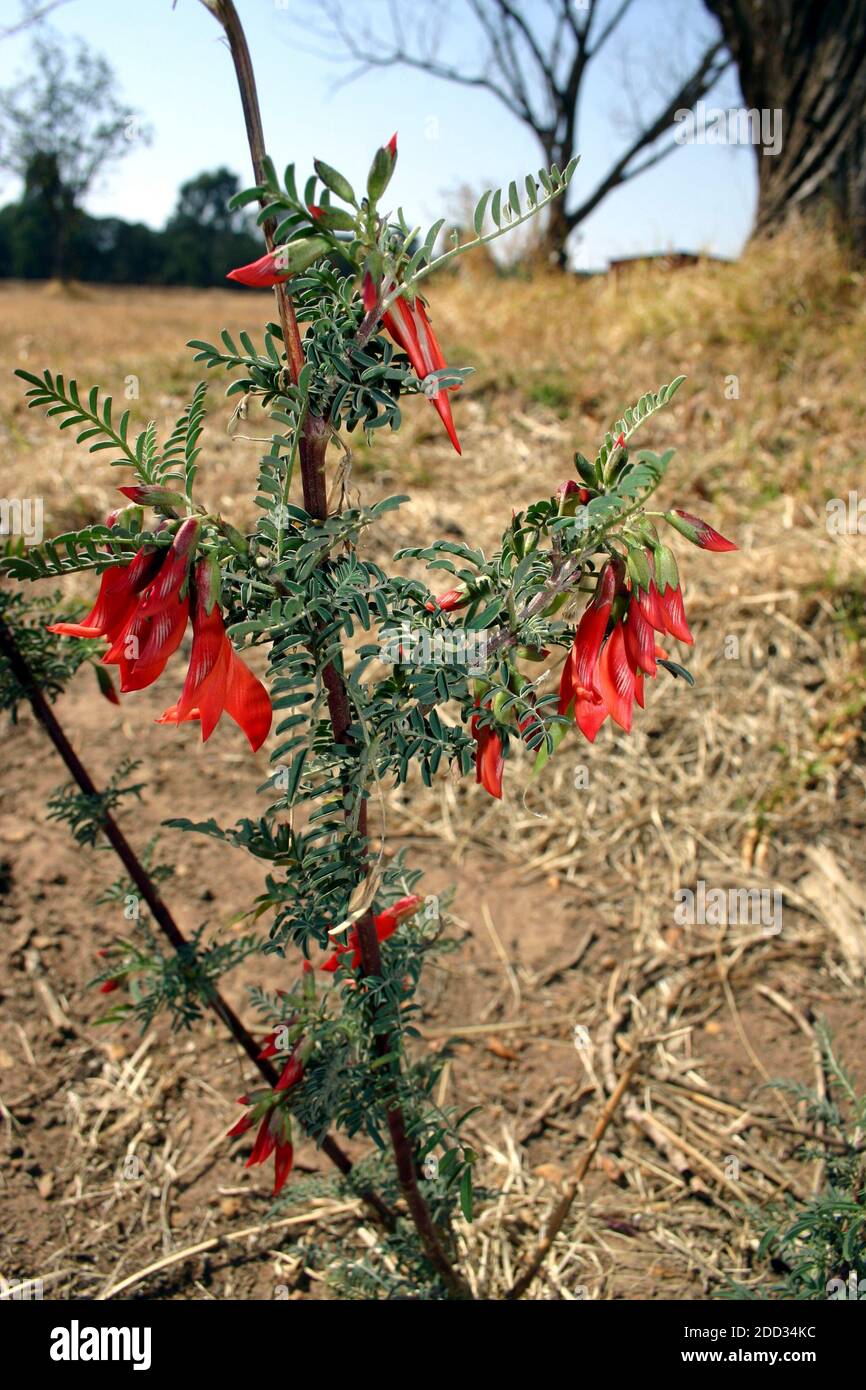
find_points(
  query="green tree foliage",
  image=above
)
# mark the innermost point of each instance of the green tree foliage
(60, 127)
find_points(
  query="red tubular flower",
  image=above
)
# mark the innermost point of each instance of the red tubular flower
(141, 613)
(284, 1157)
(265, 1143)
(391, 146)
(671, 595)
(269, 1046)
(615, 677)
(268, 270)
(173, 571)
(109, 986)
(385, 923)
(118, 595)
(142, 649)
(593, 624)
(605, 670)
(489, 757)
(640, 640)
(675, 614)
(590, 712)
(217, 680)
(292, 1073)
(274, 1136)
(412, 331)
(244, 1123)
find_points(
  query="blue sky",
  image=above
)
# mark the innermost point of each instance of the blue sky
(171, 65)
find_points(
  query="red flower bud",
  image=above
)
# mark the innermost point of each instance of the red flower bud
(697, 531)
(447, 602)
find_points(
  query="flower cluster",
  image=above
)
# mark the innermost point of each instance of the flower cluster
(271, 1110)
(614, 647)
(142, 610)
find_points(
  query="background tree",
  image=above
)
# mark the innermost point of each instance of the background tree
(807, 58)
(59, 129)
(203, 239)
(534, 59)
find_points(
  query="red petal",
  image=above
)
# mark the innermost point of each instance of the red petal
(264, 1145)
(639, 640)
(675, 615)
(283, 1160)
(651, 607)
(490, 761)
(247, 702)
(243, 1124)
(566, 683)
(615, 679)
(209, 643)
(291, 1074)
(442, 404)
(705, 535)
(173, 570)
(590, 713)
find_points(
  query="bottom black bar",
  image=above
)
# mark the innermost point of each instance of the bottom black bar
(61, 1339)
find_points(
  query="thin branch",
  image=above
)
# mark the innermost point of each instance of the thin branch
(32, 18)
(378, 57)
(613, 22)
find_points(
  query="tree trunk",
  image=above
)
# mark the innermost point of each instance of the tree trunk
(556, 234)
(806, 58)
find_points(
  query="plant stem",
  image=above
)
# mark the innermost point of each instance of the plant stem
(146, 887)
(312, 449)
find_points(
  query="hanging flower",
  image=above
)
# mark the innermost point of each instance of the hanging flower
(286, 260)
(218, 682)
(604, 671)
(271, 1109)
(489, 756)
(409, 326)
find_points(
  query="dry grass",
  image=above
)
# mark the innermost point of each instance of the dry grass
(754, 778)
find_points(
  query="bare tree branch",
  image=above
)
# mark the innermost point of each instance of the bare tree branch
(710, 69)
(32, 15)
(534, 61)
(616, 17)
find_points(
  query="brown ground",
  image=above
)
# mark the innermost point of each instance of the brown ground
(115, 1155)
